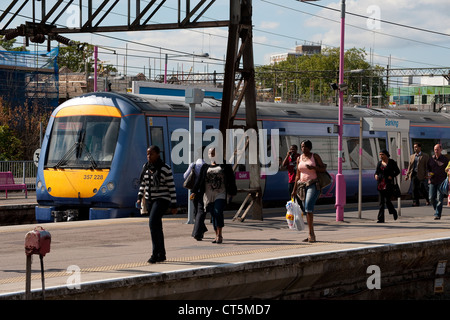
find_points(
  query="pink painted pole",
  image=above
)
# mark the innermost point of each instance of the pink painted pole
(340, 180)
(95, 68)
(165, 69)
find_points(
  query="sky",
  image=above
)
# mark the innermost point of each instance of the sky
(405, 34)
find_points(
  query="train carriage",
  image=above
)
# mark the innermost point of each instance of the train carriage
(95, 145)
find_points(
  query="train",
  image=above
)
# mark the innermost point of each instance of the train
(95, 146)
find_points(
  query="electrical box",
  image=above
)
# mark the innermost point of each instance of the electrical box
(37, 242)
(194, 95)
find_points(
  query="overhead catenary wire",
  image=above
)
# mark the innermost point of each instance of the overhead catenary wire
(272, 33)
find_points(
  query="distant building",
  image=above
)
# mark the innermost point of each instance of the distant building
(420, 97)
(299, 51)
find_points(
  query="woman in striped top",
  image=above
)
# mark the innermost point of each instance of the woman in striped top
(158, 188)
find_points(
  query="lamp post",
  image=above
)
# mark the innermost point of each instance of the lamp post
(193, 96)
(203, 55)
(340, 180)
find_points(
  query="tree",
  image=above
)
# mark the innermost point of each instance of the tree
(79, 57)
(308, 77)
(8, 45)
(76, 57)
(21, 129)
(9, 144)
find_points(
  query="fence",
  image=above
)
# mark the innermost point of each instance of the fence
(23, 172)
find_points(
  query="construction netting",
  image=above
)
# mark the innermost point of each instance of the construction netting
(28, 78)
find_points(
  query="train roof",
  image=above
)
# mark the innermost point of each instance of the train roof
(165, 105)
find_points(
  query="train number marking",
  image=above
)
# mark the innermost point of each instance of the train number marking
(93, 177)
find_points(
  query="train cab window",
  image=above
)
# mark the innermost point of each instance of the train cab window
(157, 138)
(83, 142)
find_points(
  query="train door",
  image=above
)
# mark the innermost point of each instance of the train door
(403, 158)
(158, 135)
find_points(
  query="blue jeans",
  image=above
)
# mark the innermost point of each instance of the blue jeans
(436, 199)
(312, 194)
(216, 210)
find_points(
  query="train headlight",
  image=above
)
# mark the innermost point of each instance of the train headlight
(110, 186)
(39, 184)
(103, 190)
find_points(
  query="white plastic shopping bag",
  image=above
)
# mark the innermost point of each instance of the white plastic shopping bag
(294, 216)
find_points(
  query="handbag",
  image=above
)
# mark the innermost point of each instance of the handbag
(396, 193)
(443, 187)
(190, 180)
(324, 179)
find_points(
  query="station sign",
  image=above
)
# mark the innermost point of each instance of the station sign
(36, 156)
(386, 124)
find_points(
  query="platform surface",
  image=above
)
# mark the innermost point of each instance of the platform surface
(116, 248)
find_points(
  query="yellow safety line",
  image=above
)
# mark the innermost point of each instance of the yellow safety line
(123, 266)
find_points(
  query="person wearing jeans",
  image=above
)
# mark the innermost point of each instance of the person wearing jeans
(216, 183)
(306, 183)
(436, 168)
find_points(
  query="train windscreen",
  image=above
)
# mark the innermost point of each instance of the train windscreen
(83, 142)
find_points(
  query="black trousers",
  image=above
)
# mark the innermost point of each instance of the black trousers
(199, 216)
(385, 201)
(157, 208)
(419, 188)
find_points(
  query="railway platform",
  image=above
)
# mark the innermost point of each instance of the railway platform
(107, 259)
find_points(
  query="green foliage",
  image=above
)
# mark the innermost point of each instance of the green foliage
(76, 57)
(8, 45)
(310, 76)
(19, 136)
(79, 57)
(9, 145)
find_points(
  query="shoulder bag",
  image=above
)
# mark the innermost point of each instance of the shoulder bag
(396, 193)
(443, 187)
(324, 178)
(190, 180)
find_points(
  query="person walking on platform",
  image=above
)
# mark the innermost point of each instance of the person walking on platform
(387, 169)
(448, 174)
(290, 163)
(158, 188)
(197, 199)
(216, 183)
(417, 173)
(306, 183)
(436, 168)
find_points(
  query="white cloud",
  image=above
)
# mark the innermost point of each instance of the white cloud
(384, 37)
(270, 25)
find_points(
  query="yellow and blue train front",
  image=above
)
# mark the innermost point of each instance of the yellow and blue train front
(85, 154)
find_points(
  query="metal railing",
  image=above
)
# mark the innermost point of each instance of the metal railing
(23, 172)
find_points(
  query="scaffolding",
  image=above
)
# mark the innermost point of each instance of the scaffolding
(28, 78)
